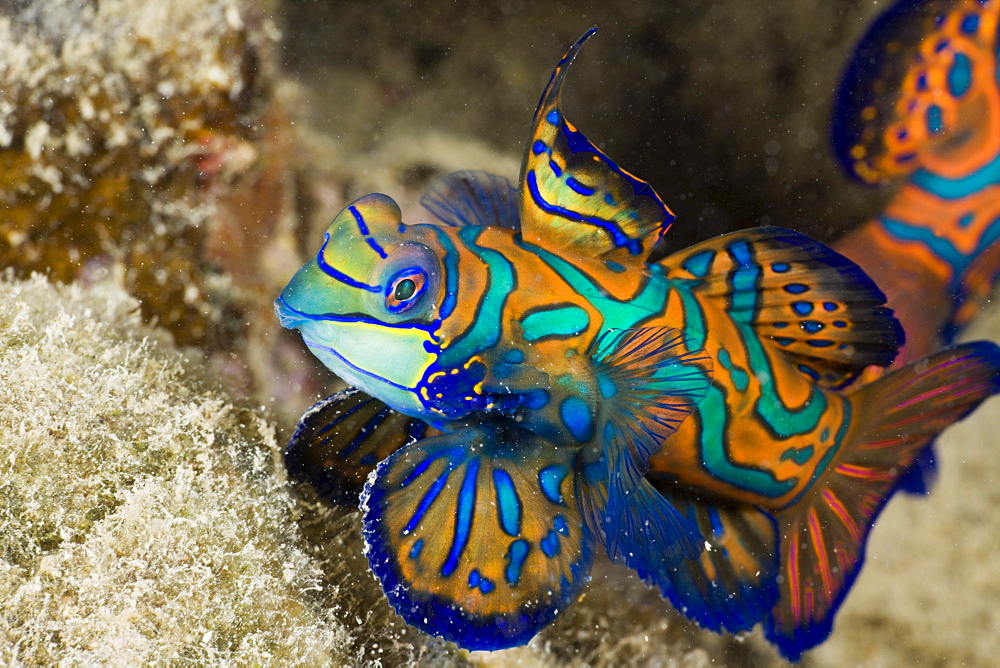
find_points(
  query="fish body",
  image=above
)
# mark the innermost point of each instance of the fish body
(560, 392)
(919, 106)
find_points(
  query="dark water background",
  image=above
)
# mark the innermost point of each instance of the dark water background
(721, 106)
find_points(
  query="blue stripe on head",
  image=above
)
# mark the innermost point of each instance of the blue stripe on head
(363, 228)
(339, 275)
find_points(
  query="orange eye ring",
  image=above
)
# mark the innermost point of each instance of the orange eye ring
(405, 289)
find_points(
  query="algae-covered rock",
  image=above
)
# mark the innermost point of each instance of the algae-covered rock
(143, 516)
(119, 120)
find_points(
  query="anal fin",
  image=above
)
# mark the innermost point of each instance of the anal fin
(731, 585)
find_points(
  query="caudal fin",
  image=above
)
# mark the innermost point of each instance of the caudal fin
(823, 535)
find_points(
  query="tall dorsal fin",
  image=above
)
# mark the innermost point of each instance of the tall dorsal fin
(573, 197)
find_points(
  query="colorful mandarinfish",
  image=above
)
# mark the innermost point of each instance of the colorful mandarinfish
(920, 103)
(531, 388)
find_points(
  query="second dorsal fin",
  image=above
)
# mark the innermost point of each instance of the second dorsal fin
(812, 303)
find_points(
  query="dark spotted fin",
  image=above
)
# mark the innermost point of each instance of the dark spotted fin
(473, 198)
(816, 306)
(731, 586)
(823, 534)
(341, 439)
(476, 535)
(918, 85)
(574, 198)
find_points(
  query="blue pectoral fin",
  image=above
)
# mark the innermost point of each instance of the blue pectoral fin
(340, 440)
(731, 585)
(650, 382)
(473, 198)
(476, 535)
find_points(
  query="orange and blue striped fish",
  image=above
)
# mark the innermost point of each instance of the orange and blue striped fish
(529, 388)
(920, 104)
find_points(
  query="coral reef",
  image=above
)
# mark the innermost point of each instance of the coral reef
(143, 515)
(120, 123)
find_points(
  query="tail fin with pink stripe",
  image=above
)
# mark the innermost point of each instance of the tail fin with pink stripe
(823, 534)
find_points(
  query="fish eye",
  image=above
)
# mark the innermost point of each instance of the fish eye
(404, 289)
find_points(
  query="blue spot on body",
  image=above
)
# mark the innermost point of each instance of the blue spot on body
(477, 580)
(700, 263)
(935, 119)
(508, 503)
(802, 308)
(966, 220)
(784, 340)
(840, 324)
(539, 147)
(609, 200)
(819, 343)
(779, 325)
(830, 306)
(812, 326)
(536, 399)
(559, 523)
(513, 357)
(960, 75)
(417, 546)
(516, 554)
(798, 455)
(559, 321)
(970, 24)
(556, 169)
(553, 116)
(809, 371)
(780, 267)
(796, 288)
(825, 435)
(576, 416)
(550, 481)
(614, 266)
(550, 544)
(606, 386)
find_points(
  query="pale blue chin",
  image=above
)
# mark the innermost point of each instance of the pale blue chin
(388, 364)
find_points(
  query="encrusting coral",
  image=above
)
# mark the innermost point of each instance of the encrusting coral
(143, 516)
(118, 122)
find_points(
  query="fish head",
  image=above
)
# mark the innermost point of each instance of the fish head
(367, 303)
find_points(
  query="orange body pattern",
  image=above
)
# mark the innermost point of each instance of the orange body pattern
(530, 387)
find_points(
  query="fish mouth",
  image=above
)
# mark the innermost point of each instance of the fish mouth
(288, 316)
